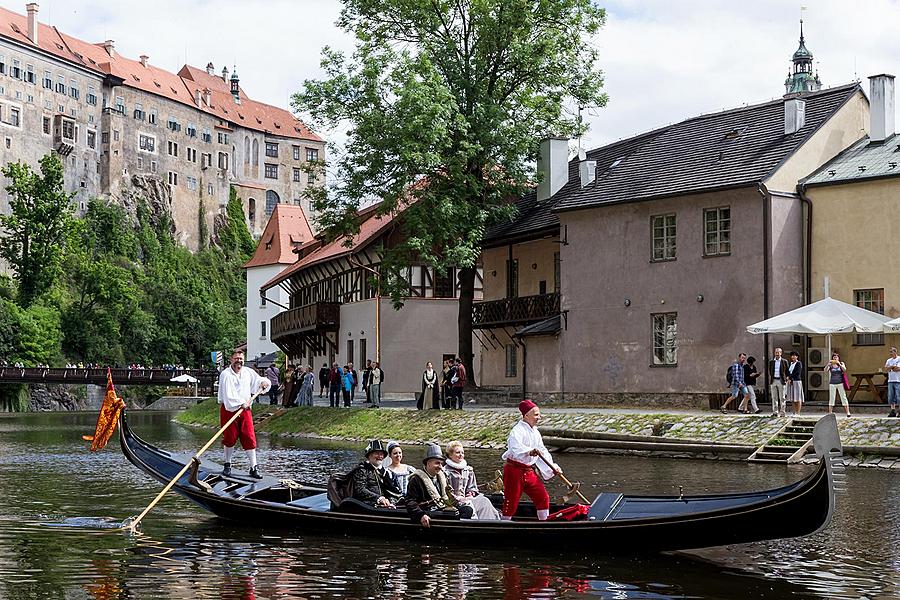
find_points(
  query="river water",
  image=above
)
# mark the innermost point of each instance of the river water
(59, 502)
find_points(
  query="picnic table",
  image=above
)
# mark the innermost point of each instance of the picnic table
(867, 382)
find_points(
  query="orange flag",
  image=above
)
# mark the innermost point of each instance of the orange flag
(108, 417)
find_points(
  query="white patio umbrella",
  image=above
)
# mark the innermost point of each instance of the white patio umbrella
(892, 326)
(185, 378)
(825, 317)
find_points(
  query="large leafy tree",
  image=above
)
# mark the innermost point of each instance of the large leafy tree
(35, 230)
(444, 102)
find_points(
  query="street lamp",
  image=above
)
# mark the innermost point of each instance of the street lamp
(377, 274)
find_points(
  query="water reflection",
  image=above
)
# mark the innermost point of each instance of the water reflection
(57, 503)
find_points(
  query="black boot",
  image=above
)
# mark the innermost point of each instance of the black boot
(254, 473)
(226, 472)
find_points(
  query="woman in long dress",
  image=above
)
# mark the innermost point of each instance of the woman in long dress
(307, 383)
(401, 471)
(461, 479)
(431, 384)
(287, 386)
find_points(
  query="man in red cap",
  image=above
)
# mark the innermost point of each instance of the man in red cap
(524, 449)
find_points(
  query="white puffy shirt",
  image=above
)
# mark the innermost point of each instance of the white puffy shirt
(522, 439)
(236, 388)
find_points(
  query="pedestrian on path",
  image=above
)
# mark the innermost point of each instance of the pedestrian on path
(430, 395)
(778, 374)
(794, 382)
(272, 375)
(375, 381)
(892, 368)
(735, 379)
(837, 382)
(335, 375)
(323, 379)
(458, 381)
(347, 385)
(751, 373)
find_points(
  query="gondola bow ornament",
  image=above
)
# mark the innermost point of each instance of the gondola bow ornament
(108, 417)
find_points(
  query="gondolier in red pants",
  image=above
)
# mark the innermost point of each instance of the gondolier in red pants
(236, 386)
(523, 464)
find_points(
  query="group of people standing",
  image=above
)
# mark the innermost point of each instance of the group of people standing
(444, 388)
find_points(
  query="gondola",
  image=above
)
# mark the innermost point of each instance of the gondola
(614, 523)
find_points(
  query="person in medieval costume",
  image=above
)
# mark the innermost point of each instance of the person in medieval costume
(372, 482)
(428, 492)
(526, 457)
(431, 383)
(237, 386)
(463, 486)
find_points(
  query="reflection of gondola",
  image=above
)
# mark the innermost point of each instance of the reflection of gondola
(615, 522)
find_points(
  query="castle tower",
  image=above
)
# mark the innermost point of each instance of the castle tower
(802, 79)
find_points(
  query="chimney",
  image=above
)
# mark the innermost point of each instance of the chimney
(207, 96)
(588, 171)
(144, 59)
(110, 47)
(794, 115)
(552, 167)
(197, 97)
(32, 9)
(881, 107)
(225, 74)
(210, 69)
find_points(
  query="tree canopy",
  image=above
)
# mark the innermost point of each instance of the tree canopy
(444, 103)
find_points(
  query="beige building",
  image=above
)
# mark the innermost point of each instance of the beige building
(662, 248)
(855, 201)
(128, 129)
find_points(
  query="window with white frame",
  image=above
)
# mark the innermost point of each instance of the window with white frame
(262, 330)
(16, 71)
(48, 80)
(91, 139)
(147, 143)
(191, 183)
(312, 154)
(870, 299)
(296, 174)
(192, 155)
(73, 89)
(717, 231)
(29, 74)
(46, 125)
(151, 116)
(271, 171)
(173, 178)
(662, 229)
(272, 149)
(296, 152)
(665, 338)
(61, 84)
(91, 96)
(172, 148)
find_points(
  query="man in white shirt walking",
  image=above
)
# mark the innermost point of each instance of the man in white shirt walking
(524, 449)
(236, 386)
(892, 368)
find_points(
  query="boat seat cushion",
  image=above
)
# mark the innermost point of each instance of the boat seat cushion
(603, 505)
(318, 502)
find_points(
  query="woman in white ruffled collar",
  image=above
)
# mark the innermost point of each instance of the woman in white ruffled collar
(461, 480)
(401, 471)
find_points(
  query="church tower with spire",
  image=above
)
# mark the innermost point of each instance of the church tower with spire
(802, 79)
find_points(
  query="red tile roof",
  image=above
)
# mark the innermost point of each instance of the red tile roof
(181, 87)
(287, 229)
(370, 229)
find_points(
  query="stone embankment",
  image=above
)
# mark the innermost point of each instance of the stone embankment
(668, 434)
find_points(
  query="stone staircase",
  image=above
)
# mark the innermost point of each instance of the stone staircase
(787, 446)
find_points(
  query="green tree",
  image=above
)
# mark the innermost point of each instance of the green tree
(443, 103)
(234, 238)
(40, 212)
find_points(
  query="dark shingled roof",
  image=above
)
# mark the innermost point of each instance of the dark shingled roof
(550, 326)
(535, 217)
(861, 161)
(723, 150)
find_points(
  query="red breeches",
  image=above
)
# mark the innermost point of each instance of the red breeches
(518, 478)
(241, 429)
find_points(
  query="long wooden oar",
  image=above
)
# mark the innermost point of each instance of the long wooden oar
(572, 486)
(131, 524)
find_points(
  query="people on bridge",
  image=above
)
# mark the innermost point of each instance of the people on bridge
(526, 454)
(372, 482)
(236, 388)
(429, 492)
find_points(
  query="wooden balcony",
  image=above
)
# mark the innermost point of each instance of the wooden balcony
(514, 311)
(306, 327)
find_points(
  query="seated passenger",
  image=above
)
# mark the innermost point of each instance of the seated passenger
(461, 478)
(372, 483)
(401, 471)
(428, 492)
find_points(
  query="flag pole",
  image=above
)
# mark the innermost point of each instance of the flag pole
(131, 524)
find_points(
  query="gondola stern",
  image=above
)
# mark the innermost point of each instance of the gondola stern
(830, 451)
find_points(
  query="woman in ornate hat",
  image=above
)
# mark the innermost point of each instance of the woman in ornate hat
(372, 483)
(461, 478)
(429, 493)
(525, 447)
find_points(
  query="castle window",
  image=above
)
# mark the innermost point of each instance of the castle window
(29, 74)
(296, 174)
(48, 80)
(272, 149)
(312, 154)
(296, 152)
(271, 171)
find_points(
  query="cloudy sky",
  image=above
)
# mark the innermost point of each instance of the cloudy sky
(664, 60)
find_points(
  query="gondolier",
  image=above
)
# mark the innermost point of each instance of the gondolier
(524, 449)
(236, 386)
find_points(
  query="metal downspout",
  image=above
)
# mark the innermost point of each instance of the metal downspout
(767, 265)
(807, 258)
(524, 369)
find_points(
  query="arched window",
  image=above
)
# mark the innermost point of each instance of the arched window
(271, 201)
(251, 212)
(247, 150)
(255, 159)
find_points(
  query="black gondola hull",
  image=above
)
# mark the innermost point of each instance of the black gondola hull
(635, 523)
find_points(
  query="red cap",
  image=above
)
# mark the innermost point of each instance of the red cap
(525, 406)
